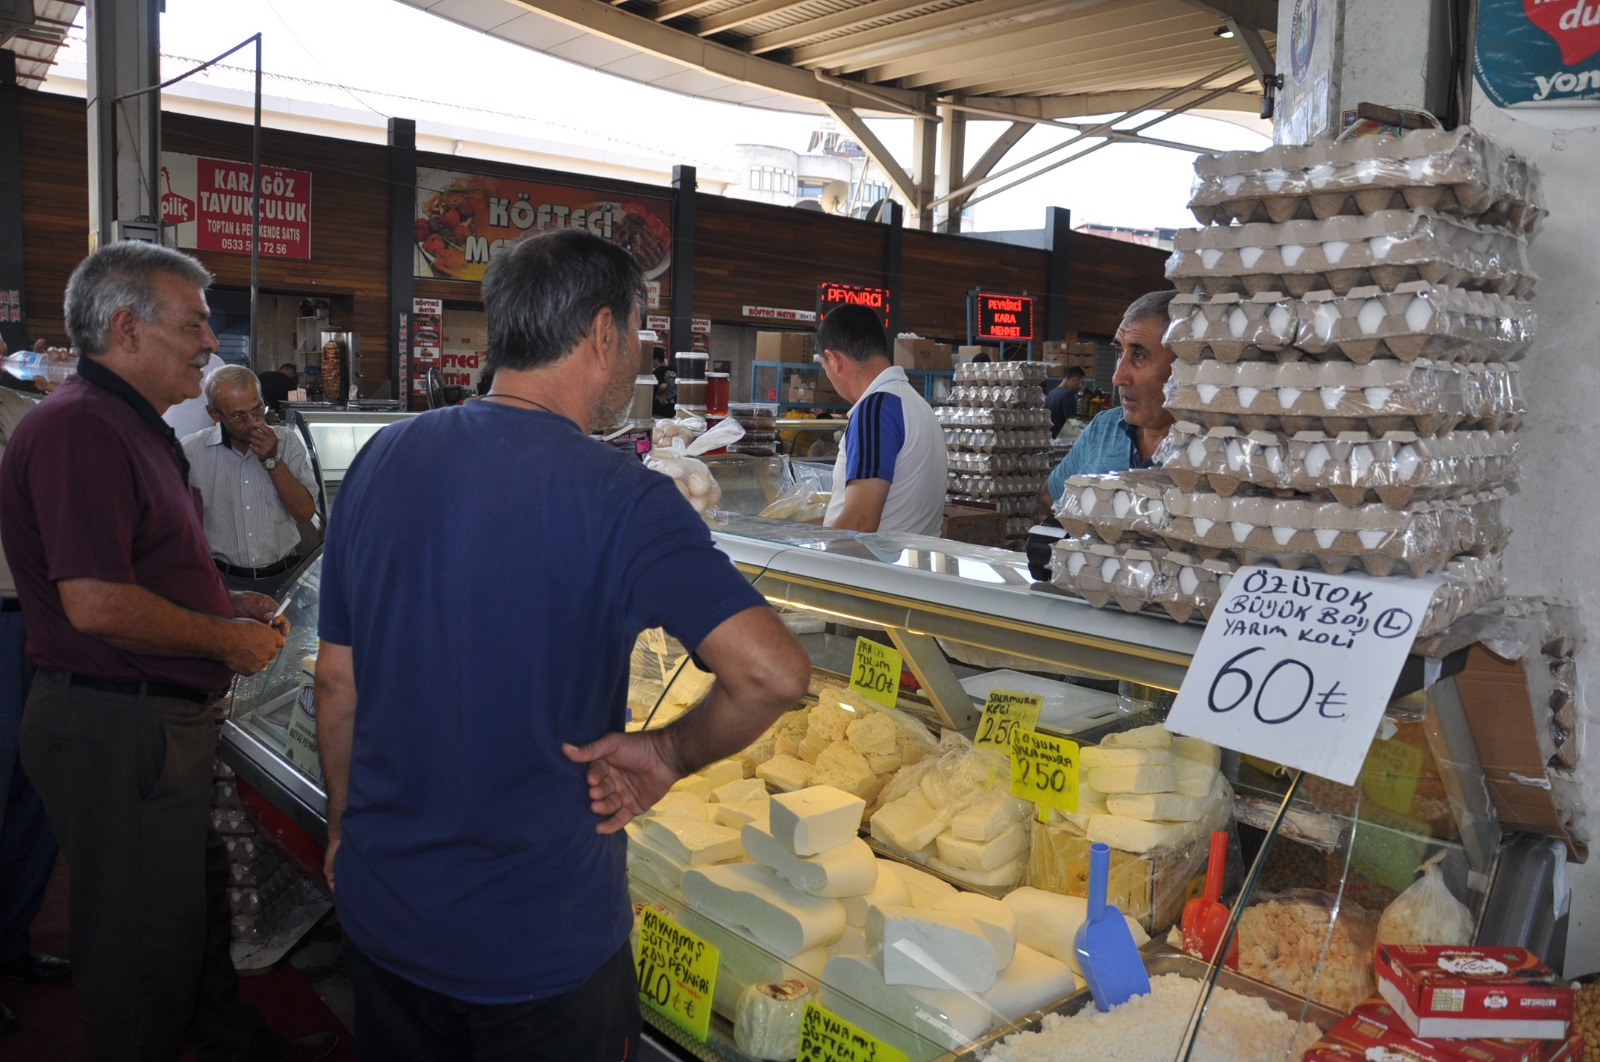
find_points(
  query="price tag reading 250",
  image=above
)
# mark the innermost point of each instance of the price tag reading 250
(677, 973)
(1005, 713)
(1044, 769)
(875, 672)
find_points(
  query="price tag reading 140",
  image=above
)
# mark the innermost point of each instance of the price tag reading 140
(875, 672)
(677, 973)
(1004, 713)
(1044, 769)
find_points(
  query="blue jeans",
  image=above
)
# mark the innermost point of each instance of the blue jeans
(27, 845)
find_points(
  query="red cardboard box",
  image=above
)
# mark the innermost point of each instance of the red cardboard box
(1569, 1050)
(1471, 992)
(1374, 1024)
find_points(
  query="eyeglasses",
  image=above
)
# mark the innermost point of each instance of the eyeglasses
(245, 416)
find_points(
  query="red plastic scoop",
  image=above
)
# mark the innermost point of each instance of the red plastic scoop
(1205, 921)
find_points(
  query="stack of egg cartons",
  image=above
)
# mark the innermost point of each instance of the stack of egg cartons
(1346, 389)
(997, 431)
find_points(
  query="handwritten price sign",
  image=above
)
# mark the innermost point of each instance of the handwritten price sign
(1044, 769)
(1005, 713)
(875, 673)
(677, 973)
(826, 1037)
(1297, 667)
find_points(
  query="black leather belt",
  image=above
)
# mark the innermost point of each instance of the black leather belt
(10, 604)
(266, 571)
(134, 689)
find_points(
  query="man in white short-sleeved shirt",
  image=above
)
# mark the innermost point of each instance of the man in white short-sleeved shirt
(891, 471)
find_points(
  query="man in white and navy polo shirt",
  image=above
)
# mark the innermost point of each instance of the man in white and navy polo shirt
(890, 475)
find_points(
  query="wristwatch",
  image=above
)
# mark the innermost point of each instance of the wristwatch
(269, 463)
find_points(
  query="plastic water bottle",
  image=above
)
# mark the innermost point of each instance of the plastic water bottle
(32, 364)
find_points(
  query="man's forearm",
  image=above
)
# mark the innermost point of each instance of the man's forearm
(335, 694)
(137, 620)
(296, 499)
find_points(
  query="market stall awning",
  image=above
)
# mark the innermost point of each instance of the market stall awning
(33, 30)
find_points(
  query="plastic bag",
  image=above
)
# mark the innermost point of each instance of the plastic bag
(799, 501)
(1303, 941)
(679, 460)
(1426, 913)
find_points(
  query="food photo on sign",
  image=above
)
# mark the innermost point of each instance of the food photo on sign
(463, 220)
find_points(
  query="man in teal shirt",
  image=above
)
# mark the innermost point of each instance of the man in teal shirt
(1126, 435)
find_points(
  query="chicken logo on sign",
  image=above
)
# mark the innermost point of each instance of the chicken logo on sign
(175, 209)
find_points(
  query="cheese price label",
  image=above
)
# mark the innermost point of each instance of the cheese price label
(677, 973)
(1044, 769)
(826, 1037)
(875, 673)
(1005, 713)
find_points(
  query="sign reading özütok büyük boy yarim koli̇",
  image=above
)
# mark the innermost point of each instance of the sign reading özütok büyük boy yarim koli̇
(1297, 667)
(1539, 53)
(209, 203)
(465, 219)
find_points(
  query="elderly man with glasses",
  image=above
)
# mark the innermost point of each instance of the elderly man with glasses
(256, 481)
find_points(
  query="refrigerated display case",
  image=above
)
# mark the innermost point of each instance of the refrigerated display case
(1316, 862)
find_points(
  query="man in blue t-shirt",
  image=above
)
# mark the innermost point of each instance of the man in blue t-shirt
(487, 570)
(1125, 436)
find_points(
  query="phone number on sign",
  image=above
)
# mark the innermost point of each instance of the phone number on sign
(267, 246)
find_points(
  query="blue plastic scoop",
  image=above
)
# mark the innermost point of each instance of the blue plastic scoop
(1106, 952)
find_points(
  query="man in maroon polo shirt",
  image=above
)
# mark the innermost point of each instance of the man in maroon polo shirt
(135, 636)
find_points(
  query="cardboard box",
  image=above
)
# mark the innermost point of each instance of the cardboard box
(1374, 1023)
(1467, 992)
(912, 352)
(785, 346)
(973, 524)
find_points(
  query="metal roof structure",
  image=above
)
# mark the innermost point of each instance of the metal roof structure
(33, 30)
(1027, 62)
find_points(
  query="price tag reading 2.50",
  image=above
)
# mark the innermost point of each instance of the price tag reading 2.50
(1004, 713)
(677, 973)
(1044, 769)
(875, 672)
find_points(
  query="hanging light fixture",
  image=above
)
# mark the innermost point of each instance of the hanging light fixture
(1225, 32)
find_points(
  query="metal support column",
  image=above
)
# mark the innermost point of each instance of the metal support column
(952, 166)
(939, 683)
(1461, 771)
(124, 133)
(683, 220)
(402, 214)
(1058, 236)
(894, 218)
(924, 160)
(14, 333)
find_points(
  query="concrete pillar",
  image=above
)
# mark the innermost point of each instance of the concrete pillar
(924, 157)
(125, 136)
(952, 166)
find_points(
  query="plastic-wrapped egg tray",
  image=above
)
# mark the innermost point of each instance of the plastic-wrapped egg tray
(1354, 467)
(1121, 505)
(1018, 505)
(1416, 320)
(991, 485)
(1386, 249)
(985, 440)
(1001, 372)
(1035, 462)
(1295, 533)
(1183, 585)
(1425, 397)
(972, 417)
(998, 396)
(1459, 172)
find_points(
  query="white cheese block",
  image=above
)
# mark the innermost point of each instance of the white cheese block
(1147, 779)
(937, 788)
(693, 784)
(693, 842)
(1102, 756)
(740, 791)
(785, 772)
(986, 816)
(1163, 807)
(1197, 750)
(926, 890)
(814, 820)
(656, 871)
(735, 816)
(982, 855)
(812, 746)
(1031, 982)
(923, 1022)
(909, 823)
(998, 922)
(1001, 877)
(842, 767)
(1048, 922)
(1154, 736)
(742, 962)
(875, 734)
(777, 915)
(849, 869)
(931, 948)
(1136, 835)
(767, 1025)
(1195, 779)
(674, 802)
(722, 772)
(890, 888)
(853, 941)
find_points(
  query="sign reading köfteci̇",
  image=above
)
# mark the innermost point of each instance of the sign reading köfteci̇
(1003, 316)
(677, 972)
(826, 1037)
(830, 295)
(209, 202)
(1297, 667)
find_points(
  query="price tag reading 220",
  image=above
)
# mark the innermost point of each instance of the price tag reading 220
(677, 973)
(1004, 714)
(1044, 769)
(875, 672)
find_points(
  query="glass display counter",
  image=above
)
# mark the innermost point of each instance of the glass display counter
(1314, 865)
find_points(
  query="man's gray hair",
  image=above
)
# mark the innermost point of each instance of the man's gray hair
(1154, 304)
(227, 378)
(122, 274)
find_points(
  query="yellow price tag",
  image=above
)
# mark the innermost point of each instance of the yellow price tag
(875, 672)
(826, 1037)
(1004, 713)
(677, 973)
(1044, 769)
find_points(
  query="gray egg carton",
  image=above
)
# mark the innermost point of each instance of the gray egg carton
(1459, 172)
(1386, 249)
(992, 485)
(1035, 463)
(1425, 397)
(1001, 372)
(998, 396)
(978, 417)
(1416, 320)
(998, 440)
(1297, 532)
(1395, 469)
